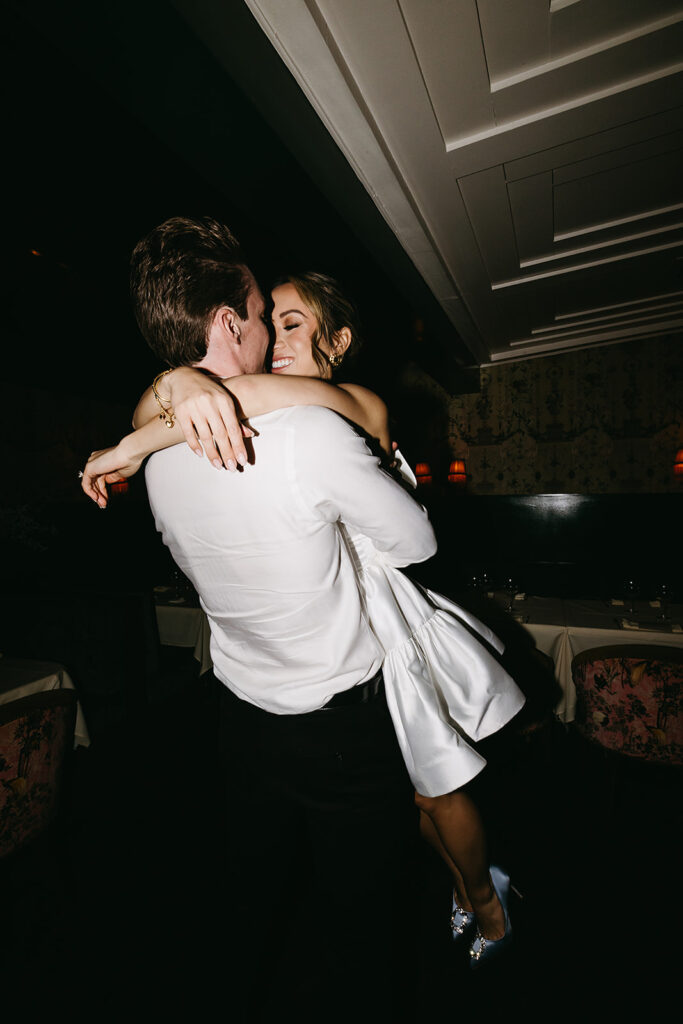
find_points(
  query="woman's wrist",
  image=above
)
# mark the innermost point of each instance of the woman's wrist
(177, 381)
(137, 445)
(168, 383)
(244, 392)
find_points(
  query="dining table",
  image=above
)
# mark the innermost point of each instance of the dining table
(183, 623)
(22, 677)
(560, 627)
(563, 628)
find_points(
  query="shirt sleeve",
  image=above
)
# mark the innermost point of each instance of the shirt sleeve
(341, 479)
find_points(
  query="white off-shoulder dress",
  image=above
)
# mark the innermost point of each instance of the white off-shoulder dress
(444, 686)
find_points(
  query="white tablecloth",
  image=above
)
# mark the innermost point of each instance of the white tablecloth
(560, 628)
(183, 624)
(22, 678)
(563, 629)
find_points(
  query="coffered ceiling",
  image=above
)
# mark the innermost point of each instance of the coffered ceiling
(526, 154)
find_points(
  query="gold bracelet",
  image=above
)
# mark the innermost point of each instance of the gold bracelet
(166, 413)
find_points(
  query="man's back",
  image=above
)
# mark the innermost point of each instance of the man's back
(268, 560)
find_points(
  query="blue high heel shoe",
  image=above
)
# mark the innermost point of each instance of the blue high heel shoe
(484, 950)
(462, 922)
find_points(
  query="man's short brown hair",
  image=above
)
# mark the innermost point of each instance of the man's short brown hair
(181, 273)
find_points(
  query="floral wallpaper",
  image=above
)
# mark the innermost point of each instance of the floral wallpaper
(597, 421)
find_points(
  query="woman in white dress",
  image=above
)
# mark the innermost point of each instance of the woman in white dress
(444, 687)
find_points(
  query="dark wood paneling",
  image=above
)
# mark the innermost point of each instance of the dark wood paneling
(565, 544)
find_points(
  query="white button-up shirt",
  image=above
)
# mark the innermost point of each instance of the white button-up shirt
(265, 552)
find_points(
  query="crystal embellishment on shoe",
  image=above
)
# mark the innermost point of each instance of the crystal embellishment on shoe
(462, 921)
(484, 950)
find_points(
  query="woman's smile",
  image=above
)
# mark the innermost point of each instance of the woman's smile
(278, 365)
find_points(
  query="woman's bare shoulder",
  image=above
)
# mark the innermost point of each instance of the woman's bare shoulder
(367, 398)
(375, 412)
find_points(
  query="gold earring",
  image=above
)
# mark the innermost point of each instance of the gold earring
(335, 359)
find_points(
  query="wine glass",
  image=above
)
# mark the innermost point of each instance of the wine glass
(630, 591)
(511, 588)
(663, 596)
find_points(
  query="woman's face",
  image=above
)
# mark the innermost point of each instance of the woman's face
(294, 327)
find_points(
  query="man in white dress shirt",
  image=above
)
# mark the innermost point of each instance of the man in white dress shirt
(310, 749)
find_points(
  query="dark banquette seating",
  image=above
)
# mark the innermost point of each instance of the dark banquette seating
(566, 545)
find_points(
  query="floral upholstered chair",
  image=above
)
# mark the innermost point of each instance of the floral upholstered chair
(629, 700)
(36, 734)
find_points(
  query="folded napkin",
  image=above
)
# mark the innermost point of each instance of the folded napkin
(520, 597)
(616, 601)
(676, 628)
(628, 624)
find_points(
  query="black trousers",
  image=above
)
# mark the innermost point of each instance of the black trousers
(321, 841)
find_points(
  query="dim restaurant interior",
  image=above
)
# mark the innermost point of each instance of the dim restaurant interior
(500, 187)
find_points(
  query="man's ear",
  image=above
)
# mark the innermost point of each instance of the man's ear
(227, 321)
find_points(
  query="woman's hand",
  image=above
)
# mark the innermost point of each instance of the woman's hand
(208, 416)
(109, 466)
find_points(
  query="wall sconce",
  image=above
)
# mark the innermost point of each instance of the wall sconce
(678, 463)
(423, 473)
(456, 473)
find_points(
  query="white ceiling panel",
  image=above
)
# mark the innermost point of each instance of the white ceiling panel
(625, 192)
(536, 145)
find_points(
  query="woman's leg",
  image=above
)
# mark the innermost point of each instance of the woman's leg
(453, 825)
(430, 835)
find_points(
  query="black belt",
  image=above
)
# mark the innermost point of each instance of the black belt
(361, 694)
